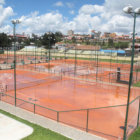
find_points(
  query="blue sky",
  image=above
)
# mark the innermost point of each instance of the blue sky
(82, 16)
(25, 7)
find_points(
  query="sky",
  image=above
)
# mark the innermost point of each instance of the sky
(82, 16)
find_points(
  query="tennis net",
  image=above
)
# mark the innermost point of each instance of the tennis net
(21, 85)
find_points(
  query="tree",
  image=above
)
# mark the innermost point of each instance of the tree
(110, 42)
(138, 40)
(27, 42)
(58, 36)
(87, 42)
(103, 43)
(34, 37)
(73, 39)
(4, 40)
(121, 45)
(48, 40)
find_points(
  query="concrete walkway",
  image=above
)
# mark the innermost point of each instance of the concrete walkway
(11, 129)
(70, 132)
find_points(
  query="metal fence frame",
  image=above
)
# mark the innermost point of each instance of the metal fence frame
(87, 110)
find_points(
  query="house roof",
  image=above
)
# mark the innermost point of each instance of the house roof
(87, 47)
(20, 36)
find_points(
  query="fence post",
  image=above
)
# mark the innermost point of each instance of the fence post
(136, 75)
(109, 77)
(34, 108)
(138, 114)
(87, 120)
(61, 73)
(58, 116)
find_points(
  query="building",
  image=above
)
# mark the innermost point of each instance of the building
(95, 34)
(70, 32)
(19, 37)
(107, 35)
(137, 46)
(87, 47)
(113, 35)
(122, 38)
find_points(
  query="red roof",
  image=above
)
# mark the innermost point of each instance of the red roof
(20, 36)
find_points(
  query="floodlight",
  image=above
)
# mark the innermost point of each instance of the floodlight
(128, 9)
(137, 10)
(16, 21)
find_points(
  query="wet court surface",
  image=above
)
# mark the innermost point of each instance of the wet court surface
(65, 94)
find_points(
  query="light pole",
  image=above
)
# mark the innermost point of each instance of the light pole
(15, 22)
(36, 46)
(75, 66)
(134, 13)
(41, 50)
(50, 38)
(96, 64)
(65, 52)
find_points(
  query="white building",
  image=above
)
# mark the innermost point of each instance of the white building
(70, 32)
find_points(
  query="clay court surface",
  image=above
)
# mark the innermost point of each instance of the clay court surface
(84, 69)
(56, 88)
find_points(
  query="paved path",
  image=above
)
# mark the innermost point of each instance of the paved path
(11, 129)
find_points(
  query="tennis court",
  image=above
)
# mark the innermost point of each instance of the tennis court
(86, 94)
(85, 69)
(98, 108)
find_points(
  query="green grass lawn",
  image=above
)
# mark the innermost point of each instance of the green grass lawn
(136, 84)
(135, 135)
(100, 60)
(39, 132)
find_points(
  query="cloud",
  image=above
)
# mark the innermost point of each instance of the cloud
(111, 16)
(115, 20)
(39, 24)
(107, 17)
(2, 1)
(91, 9)
(59, 4)
(6, 29)
(70, 5)
(117, 23)
(5, 14)
(53, 22)
(72, 12)
(85, 23)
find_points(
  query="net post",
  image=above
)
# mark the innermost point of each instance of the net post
(61, 74)
(87, 120)
(34, 108)
(138, 114)
(109, 77)
(118, 74)
(57, 116)
(136, 75)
